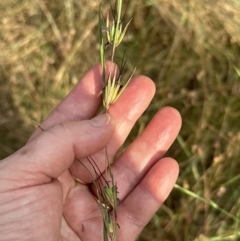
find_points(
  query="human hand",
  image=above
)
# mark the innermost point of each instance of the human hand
(40, 200)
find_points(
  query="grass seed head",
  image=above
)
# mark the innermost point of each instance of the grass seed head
(114, 88)
(115, 33)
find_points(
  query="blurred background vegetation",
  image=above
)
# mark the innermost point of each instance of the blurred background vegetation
(190, 48)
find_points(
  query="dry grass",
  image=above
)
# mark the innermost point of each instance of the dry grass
(190, 48)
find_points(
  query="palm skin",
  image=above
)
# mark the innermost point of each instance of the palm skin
(39, 199)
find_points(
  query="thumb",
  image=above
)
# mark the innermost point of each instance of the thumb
(52, 152)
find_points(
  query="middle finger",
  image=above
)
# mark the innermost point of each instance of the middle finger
(129, 107)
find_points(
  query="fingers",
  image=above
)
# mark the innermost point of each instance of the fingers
(128, 108)
(141, 204)
(51, 153)
(81, 103)
(146, 150)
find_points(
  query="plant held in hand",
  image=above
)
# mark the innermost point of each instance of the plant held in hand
(111, 34)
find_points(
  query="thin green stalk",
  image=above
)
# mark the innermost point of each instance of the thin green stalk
(112, 89)
(101, 44)
(208, 202)
(117, 25)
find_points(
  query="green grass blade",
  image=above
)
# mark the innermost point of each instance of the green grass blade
(101, 43)
(208, 202)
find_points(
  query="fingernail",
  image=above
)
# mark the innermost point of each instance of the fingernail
(101, 120)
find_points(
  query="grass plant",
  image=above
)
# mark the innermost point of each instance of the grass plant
(112, 88)
(189, 48)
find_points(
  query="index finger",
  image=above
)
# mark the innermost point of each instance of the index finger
(81, 103)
